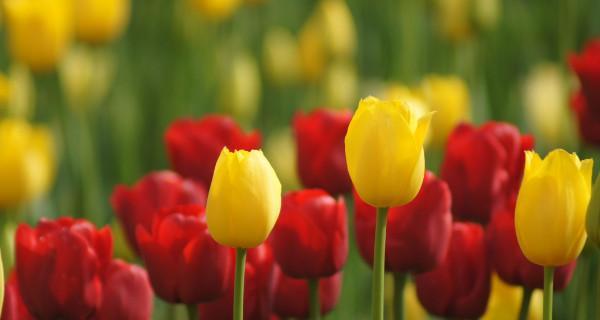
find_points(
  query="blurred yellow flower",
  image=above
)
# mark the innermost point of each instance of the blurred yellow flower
(27, 162)
(505, 302)
(215, 10)
(312, 50)
(337, 27)
(412, 307)
(241, 88)
(384, 151)
(551, 207)
(280, 147)
(22, 92)
(449, 97)
(100, 21)
(341, 84)
(244, 199)
(454, 19)
(39, 31)
(5, 90)
(280, 56)
(486, 12)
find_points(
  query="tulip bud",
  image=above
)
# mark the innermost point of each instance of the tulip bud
(13, 307)
(384, 152)
(244, 199)
(312, 51)
(100, 21)
(399, 92)
(551, 207)
(593, 215)
(338, 28)
(26, 162)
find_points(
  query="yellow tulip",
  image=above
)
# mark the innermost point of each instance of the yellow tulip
(384, 151)
(100, 21)
(244, 199)
(412, 307)
(551, 207)
(337, 28)
(454, 19)
(312, 51)
(399, 92)
(26, 162)
(505, 302)
(39, 31)
(241, 88)
(215, 9)
(449, 97)
(280, 56)
(4, 90)
(341, 84)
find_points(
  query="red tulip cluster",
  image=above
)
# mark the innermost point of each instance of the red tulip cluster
(586, 101)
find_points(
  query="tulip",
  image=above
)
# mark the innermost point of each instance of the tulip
(291, 295)
(59, 266)
(505, 302)
(280, 57)
(449, 96)
(26, 162)
(215, 10)
(100, 21)
(320, 149)
(312, 51)
(384, 154)
(311, 227)
(259, 289)
(337, 25)
(5, 91)
(586, 101)
(126, 293)
(483, 167)
(241, 88)
(194, 145)
(49, 22)
(184, 263)
(460, 286)
(593, 215)
(13, 307)
(243, 205)
(551, 211)
(139, 204)
(1, 282)
(340, 83)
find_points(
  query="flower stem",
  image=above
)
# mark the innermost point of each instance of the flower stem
(548, 291)
(315, 302)
(192, 311)
(238, 291)
(525, 301)
(399, 282)
(379, 264)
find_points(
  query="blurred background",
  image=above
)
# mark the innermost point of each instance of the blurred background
(88, 87)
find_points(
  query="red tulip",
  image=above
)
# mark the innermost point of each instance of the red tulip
(195, 145)
(183, 261)
(310, 238)
(291, 295)
(507, 259)
(586, 102)
(259, 286)
(320, 149)
(460, 286)
(126, 293)
(13, 307)
(163, 189)
(59, 266)
(418, 233)
(483, 168)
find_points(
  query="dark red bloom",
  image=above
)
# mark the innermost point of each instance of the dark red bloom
(310, 239)
(507, 259)
(194, 145)
(59, 266)
(184, 263)
(13, 307)
(321, 158)
(483, 168)
(418, 233)
(259, 288)
(586, 101)
(291, 295)
(460, 286)
(137, 205)
(126, 293)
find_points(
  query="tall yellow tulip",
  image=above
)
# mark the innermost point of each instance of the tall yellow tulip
(39, 31)
(551, 212)
(100, 21)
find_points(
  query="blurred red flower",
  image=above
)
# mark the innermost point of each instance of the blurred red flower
(310, 238)
(194, 145)
(483, 168)
(291, 295)
(460, 286)
(586, 101)
(184, 263)
(321, 158)
(137, 205)
(418, 234)
(259, 288)
(59, 266)
(13, 307)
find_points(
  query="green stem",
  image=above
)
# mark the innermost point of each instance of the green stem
(379, 264)
(548, 291)
(399, 282)
(315, 302)
(525, 301)
(238, 291)
(192, 311)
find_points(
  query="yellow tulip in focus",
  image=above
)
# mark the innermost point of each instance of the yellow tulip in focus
(244, 199)
(449, 97)
(215, 10)
(26, 162)
(100, 21)
(39, 31)
(399, 92)
(551, 207)
(505, 302)
(384, 151)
